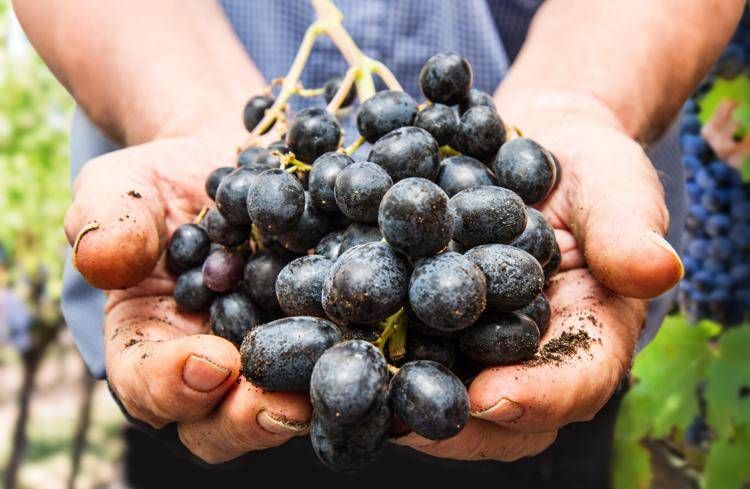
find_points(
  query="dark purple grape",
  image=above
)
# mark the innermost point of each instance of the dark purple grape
(312, 133)
(429, 399)
(500, 339)
(384, 112)
(446, 78)
(476, 98)
(439, 120)
(367, 284)
(553, 265)
(305, 234)
(254, 111)
(220, 231)
(330, 245)
(480, 133)
(540, 312)
(440, 349)
(276, 201)
(299, 286)
(447, 291)
(232, 316)
(188, 247)
(231, 196)
(359, 233)
(359, 189)
(322, 180)
(280, 355)
(222, 270)
(407, 152)
(359, 332)
(526, 168)
(190, 293)
(459, 173)
(484, 215)
(332, 86)
(538, 239)
(514, 278)
(261, 271)
(250, 156)
(215, 178)
(415, 218)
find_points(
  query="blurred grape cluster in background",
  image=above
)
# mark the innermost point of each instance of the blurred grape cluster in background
(57, 425)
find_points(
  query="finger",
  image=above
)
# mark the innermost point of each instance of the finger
(481, 440)
(620, 217)
(248, 419)
(116, 222)
(585, 354)
(159, 373)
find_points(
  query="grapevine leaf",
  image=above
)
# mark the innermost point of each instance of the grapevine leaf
(728, 389)
(632, 461)
(745, 170)
(727, 464)
(737, 89)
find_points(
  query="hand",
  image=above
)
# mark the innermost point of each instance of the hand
(609, 215)
(160, 362)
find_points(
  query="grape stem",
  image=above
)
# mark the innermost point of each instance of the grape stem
(448, 151)
(394, 334)
(393, 369)
(362, 67)
(297, 165)
(352, 148)
(257, 238)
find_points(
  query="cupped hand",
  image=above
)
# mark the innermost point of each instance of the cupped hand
(160, 362)
(610, 217)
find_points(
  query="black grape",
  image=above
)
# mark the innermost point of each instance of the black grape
(514, 278)
(484, 215)
(358, 233)
(459, 173)
(312, 133)
(299, 286)
(526, 168)
(231, 196)
(429, 399)
(476, 98)
(276, 201)
(553, 265)
(280, 355)
(322, 179)
(222, 270)
(331, 87)
(480, 133)
(446, 78)
(215, 178)
(540, 311)
(407, 152)
(188, 247)
(254, 111)
(329, 245)
(500, 339)
(261, 271)
(367, 284)
(439, 120)
(307, 231)
(190, 293)
(359, 189)
(415, 218)
(220, 231)
(439, 349)
(538, 239)
(447, 291)
(231, 316)
(384, 112)
(251, 156)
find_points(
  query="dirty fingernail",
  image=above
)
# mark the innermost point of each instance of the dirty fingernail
(202, 374)
(504, 410)
(281, 426)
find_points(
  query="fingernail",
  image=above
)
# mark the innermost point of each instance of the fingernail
(202, 374)
(280, 426)
(659, 240)
(505, 410)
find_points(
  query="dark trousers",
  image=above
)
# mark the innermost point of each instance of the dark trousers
(580, 458)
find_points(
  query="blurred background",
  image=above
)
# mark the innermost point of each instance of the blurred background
(685, 422)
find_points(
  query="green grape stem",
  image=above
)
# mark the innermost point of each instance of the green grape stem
(394, 334)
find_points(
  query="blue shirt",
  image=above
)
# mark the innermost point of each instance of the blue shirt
(400, 33)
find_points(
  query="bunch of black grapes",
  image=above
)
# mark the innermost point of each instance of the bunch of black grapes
(381, 286)
(717, 243)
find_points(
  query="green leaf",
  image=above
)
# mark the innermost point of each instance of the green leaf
(745, 170)
(632, 461)
(737, 89)
(728, 462)
(728, 389)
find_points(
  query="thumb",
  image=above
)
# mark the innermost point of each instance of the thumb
(625, 220)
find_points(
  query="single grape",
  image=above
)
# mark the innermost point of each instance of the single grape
(359, 189)
(348, 383)
(222, 270)
(222, 232)
(415, 218)
(480, 133)
(231, 196)
(231, 316)
(359, 332)
(439, 120)
(366, 285)
(540, 312)
(254, 111)
(429, 399)
(383, 112)
(525, 167)
(350, 448)
(279, 146)
(276, 201)
(332, 86)
(415, 325)
(190, 293)
(500, 339)
(329, 245)
(280, 355)
(250, 156)
(407, 152)
(322, 180)
(358, 233)
(261, 271)
(312, 133)
(439, 349)
(514, 278)
(476, 98)
(447, 291)
(446, 78)
(300, 284)
(305, 233)
(188, 247)
(538, 239)
(459, 173)
(485, 215)
(215, 178)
